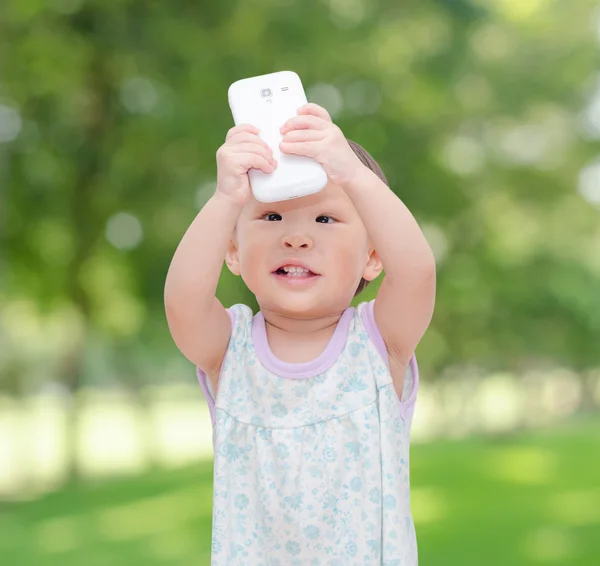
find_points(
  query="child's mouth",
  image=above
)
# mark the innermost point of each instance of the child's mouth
(295, 271)
(295, 275)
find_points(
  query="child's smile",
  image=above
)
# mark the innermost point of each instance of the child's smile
(296, 273)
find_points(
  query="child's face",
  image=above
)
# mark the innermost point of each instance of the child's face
(322, 232)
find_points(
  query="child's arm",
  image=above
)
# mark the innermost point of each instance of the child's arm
(198, 322)
(404, 305)
(405, 300)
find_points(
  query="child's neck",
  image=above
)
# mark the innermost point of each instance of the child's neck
(295, 340)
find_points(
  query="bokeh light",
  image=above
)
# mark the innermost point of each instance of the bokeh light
(124, 231)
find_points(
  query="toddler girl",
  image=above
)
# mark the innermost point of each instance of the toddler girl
(311, 400)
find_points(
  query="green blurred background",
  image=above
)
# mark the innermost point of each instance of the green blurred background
(484, 114)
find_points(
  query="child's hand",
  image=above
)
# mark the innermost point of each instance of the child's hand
(243, 150)
(312, 133)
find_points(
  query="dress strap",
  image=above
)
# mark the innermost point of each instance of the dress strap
(203, 378)
(411, 378)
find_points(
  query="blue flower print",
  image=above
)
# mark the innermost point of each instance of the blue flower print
(241, 501)
(389, 502)
(354, 448)
(292, 547)
(375, 546)
(354, 349)
(233, 387)
(231, 452)
(257, 421)
(316, 472)
(300, 391)
(294, 501)
(375, 495)
(237, 549)
(351, 548)
(282, 450)
(279, 410)
(355, 483)
(320, 378)
(355, 384)
(330, 500)
(265, 433)
(329, 454)
(311, 532)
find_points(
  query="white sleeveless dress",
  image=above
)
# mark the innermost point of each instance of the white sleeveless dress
(311, 460)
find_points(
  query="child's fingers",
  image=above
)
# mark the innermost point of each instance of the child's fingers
(303, 135)
(241, 128)
(315, 110)
(254, 148)
(303, 122)
(246, 137)
(307, 149)
(254, 161)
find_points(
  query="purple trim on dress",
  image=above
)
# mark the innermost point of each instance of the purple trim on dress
(306, 369)
(320, 364)
(202, 378)
(367, 313)
(368, 318)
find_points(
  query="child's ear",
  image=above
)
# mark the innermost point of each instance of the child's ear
(232, 258)
(374, 266)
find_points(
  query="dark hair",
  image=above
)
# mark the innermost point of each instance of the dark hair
(369, 162)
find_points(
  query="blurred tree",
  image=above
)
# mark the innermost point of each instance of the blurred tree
(111, 113)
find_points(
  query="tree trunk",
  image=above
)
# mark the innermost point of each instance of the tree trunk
(84, 216)
(72, 374)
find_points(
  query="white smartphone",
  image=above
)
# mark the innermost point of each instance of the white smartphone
(267, 102)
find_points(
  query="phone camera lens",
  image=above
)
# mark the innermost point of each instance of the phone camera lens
(266, 92)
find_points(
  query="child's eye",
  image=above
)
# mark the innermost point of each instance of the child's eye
(325, 219)
(272, 217)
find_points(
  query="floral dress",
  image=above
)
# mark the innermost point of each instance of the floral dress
(311, 459)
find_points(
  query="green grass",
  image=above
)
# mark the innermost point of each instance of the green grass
(528, 499)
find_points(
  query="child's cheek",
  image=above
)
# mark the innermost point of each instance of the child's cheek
(345, 264)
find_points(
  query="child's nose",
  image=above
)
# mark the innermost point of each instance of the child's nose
(296, 241)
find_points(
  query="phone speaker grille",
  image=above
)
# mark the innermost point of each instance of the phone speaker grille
(284, 88)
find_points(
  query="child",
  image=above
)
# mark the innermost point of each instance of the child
(311, 400)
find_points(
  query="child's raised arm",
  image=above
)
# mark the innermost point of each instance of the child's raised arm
(405, 301)
(198, 322)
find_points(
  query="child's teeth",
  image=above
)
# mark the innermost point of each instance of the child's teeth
(295, 271)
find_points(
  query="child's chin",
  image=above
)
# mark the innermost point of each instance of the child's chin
(298, 304)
